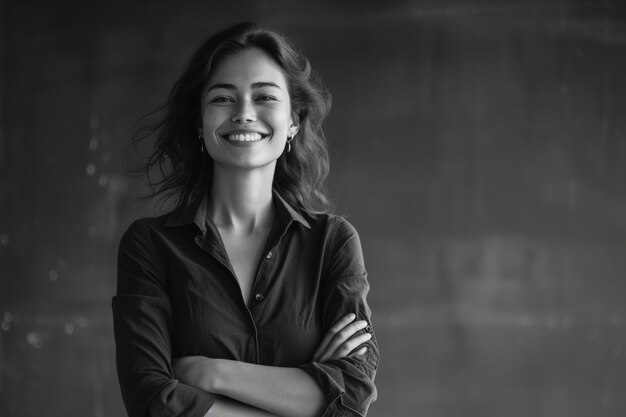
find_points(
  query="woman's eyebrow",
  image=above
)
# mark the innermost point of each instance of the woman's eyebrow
(254, 85)
(265, 84)
(224, 86)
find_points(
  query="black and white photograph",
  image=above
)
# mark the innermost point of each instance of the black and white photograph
(301, 208)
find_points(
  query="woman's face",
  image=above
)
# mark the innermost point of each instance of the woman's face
(246, 111)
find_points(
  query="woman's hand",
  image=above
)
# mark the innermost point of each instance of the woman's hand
(340, 339)
(197, 371)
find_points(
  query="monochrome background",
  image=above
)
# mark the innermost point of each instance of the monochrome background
(479, 147)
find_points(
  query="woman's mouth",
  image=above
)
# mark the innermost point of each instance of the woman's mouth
(245, 137)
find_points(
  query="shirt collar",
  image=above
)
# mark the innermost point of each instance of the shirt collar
(196, 212)
(192, 213)
(285, 211)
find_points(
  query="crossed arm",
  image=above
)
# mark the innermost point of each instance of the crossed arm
(246, 389)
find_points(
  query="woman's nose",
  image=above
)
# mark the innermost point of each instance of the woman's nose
(244, 112)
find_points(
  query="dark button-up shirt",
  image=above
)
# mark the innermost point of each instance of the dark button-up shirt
(177, 295)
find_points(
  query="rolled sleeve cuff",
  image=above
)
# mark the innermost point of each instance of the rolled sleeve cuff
(340, 401)
(176, 399)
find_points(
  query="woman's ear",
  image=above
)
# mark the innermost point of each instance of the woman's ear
(294, 124)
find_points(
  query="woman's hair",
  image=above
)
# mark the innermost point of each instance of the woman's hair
(186, 171)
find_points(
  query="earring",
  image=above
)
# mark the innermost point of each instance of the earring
(289, 139)
(201, 142)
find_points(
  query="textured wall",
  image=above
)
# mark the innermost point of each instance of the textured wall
(479, 147)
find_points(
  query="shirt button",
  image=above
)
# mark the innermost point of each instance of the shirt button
(259, 297)
(269, 255)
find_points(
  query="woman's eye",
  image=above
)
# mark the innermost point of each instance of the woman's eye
(266, 98)
(221, 99)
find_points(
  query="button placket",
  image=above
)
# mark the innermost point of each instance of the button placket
(259, 295)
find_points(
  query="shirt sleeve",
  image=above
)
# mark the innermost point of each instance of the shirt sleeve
(348, 382)
(142, 324)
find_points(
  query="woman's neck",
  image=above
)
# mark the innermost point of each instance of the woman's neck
(241, 200)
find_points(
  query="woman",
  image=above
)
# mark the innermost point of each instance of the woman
(248, 299)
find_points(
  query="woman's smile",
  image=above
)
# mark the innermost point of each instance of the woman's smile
(244, 137)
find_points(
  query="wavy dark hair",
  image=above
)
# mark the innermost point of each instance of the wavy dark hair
(186, 172)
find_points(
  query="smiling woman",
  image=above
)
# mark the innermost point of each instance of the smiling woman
(246, 113)
(249, 299)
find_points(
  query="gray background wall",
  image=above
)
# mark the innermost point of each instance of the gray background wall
(479, 147)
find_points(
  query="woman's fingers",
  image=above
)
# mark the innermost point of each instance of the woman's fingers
(348, 346)
(340, 324)
(361, 351)
(342, 340)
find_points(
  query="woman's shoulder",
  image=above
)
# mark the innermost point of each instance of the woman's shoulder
(143, 228)
(341, 241)
(333, 224)
(148, 222)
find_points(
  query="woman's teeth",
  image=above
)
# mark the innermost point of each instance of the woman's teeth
(244, 137)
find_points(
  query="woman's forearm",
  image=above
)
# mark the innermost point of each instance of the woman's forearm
(225, 407)
(282, 391)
